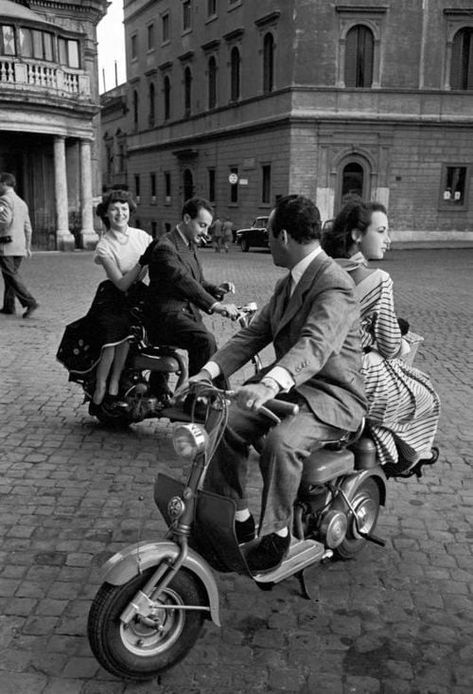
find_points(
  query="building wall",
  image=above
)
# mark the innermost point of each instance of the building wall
(402, 131)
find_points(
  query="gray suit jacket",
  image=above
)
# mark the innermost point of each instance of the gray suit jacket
(14, 222)
(316, 338)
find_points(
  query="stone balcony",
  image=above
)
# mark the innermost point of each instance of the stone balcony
(38, 77)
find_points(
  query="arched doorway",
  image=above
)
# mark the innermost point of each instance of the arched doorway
(353, 181)
(188, 184)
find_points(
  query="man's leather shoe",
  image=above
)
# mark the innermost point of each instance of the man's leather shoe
(30, 309)
(245, 530)
(7, 313)
(269, 553)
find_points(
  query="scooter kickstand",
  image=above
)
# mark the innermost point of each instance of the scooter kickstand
(303, 585)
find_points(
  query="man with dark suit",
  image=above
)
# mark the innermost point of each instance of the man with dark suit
(178, 290)
(15, 244)
(312, 320)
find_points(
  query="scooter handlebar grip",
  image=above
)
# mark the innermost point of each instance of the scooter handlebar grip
(282, 408)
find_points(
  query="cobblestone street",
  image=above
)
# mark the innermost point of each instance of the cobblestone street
(397, 620)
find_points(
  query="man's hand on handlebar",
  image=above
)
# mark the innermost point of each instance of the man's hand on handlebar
(227, 287)
(253, 396)
(227, 310)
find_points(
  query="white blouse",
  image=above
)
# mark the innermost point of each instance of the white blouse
(124, 248)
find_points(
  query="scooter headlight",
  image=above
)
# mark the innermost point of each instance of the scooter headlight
(189, 439)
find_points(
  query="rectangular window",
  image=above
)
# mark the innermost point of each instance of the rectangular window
(211, 8)
(137, 187)
(167, 186)
(165, 27)
(211, 185)
(121, 158)
(7, 40)
(150, 37)
(26, 43)
(266, 184)
(152, 185)
(453, 192)
(68, 53)
(233, 186)
(154, 229)
(109, 156)
(134, 46)
(186, 15)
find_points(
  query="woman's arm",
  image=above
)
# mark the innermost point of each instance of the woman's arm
(122, 281)
(387, 331)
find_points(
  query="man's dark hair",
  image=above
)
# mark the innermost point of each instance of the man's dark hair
(8, 179)
(337, 240)
(193, 205)
(109, 199)
(299, 217)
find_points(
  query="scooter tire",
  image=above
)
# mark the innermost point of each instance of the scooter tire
(137, 651)
(366, 499)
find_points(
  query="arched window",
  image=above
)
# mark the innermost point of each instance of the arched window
(461, 75)
(135, 108)
(152, 104)
(268, 63)
(188, 181)
(352, 182)
(359, 53)
(187, 91)
(167, 98)
(234, 74)
(212, 82)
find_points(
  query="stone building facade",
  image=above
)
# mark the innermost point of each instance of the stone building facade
(49, 114)
(327, 98)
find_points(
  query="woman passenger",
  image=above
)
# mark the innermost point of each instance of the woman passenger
(403, 407)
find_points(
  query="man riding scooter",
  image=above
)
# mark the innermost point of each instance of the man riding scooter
(312, 319)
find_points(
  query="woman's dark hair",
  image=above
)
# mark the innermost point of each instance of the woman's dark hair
(111, 197)
(299, 217)
(336, 237)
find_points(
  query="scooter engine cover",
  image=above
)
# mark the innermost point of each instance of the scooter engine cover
(155, 362)
(324, 465)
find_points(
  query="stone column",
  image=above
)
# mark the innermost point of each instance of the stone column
(88, 234)
(64, 239)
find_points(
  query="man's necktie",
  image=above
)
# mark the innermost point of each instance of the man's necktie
(287, 292)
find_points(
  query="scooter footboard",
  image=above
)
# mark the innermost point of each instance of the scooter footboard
(136, 558)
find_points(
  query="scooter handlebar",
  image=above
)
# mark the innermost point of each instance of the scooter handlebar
(281, 408)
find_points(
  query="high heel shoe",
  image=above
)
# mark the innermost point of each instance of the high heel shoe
(406, 469)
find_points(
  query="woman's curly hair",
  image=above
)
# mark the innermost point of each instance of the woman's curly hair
(111, 197)
(337, 238)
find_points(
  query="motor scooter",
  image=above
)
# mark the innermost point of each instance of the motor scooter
(155, 596)
(151, 375)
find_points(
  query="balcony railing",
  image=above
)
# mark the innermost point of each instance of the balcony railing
(38, 75)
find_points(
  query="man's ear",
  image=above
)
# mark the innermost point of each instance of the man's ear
(186, 218)
(284, 236)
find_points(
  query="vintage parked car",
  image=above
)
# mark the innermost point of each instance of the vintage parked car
(254, 236)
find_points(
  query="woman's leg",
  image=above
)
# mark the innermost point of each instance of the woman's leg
(103, 369)
(121, 353)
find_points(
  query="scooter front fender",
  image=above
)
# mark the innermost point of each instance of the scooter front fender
(136, 558)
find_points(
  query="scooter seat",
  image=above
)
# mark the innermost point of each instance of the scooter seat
(324, 465)
(153, 360)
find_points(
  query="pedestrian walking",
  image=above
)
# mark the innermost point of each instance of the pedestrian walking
(15, 244)
(227, 234)
(217, 234)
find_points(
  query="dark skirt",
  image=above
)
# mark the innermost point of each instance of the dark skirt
(110, 321)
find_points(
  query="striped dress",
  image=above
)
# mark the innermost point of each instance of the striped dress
(403, 407)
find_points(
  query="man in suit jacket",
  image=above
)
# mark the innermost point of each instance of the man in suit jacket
(312, 320)
(178, 290)
(15, 244)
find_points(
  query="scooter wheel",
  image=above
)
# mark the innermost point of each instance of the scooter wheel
(149, 643)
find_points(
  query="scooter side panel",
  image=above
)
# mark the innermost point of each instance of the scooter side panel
(136, 558)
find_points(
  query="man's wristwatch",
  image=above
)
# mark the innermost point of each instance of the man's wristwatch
(271, 383)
